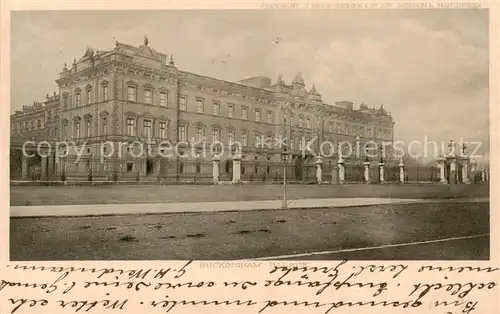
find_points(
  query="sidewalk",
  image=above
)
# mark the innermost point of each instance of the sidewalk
(199, 207)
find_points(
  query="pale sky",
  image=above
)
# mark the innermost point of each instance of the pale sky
(428, 68)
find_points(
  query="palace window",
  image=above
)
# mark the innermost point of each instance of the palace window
(230, 111)
(77, 129)
(199, 105)
(354, 130)
(258, 140)
(257, 115)
(346, 129)
(215, 135)
(56, 133)
(65, 101)
(65, 131)
(216, 109)
(269, 117)
(131, 93)
(163, 99)
(104, 125)
(269, 141)
(330, 127)
(105, 92)
(230, 137)
(148, 96)
(78, 99)
(88, 129)
(162, 129)
(89, 95)
(130, 166)
(244, 139)
(290, 143)
(131, 126)
(182, 133)
(199, 134)
(301, 143)
(362, 131)
(183, 103)
(39, 123)
(244, 113)
(301, 122)
(339, 127)
(308, 123)
(147, 129)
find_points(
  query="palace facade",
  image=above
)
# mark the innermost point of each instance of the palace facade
(136, 95)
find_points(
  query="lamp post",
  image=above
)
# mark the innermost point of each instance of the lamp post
(381, 166)
(90, 167)
(284, 157)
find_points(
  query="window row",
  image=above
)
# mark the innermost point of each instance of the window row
(355, 130)
(243, 114)
(148, 128)
(27, 126)
(87, 96)
(148, 95)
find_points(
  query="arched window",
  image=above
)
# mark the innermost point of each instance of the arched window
(77, 123)
(88, 97)
(78, 97)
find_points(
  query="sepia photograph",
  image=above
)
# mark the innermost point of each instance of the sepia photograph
(249, 135)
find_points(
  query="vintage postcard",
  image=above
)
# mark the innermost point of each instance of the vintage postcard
(314, 157)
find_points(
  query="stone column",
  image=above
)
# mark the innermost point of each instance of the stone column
(486, 176)
(465, 172)
(340, 163)
(483, 175)
(319, 170)
(215, 169)
(381, 171)
(367, 171)
(43, 167)
(24, 167)
(442, 175)
(473, 171)
(236, 168)
(453, 172)
(401, 172)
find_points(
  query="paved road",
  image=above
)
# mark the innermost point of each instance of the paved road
(138, 194)
(257, 234)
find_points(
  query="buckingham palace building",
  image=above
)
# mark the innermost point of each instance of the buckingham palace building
(130, 113)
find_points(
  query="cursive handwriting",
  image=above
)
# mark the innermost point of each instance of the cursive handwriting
(315, 287)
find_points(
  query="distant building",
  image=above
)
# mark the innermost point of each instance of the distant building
(138, 94)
